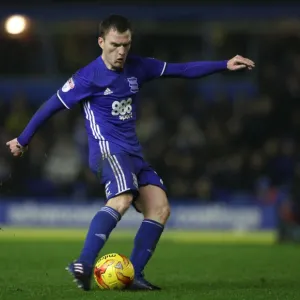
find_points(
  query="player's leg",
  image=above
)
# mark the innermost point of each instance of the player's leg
(153, 203)
(101, 226)
(120, 187)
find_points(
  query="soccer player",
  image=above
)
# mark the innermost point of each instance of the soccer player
(107, 90)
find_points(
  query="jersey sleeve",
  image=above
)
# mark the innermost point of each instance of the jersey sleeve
(153, 68)
(74, 90)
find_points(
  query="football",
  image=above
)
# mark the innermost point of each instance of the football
(113, 272)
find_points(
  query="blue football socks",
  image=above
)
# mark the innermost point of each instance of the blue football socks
(145, 243)
(100, 228)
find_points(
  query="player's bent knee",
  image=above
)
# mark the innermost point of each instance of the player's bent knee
(121, 202)
(164, 213)
(159, 214)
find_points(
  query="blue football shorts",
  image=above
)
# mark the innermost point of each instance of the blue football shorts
(121, 173)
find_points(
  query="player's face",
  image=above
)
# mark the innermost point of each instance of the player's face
(115, 47)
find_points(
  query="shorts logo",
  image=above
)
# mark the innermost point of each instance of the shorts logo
(69, 85)
(133, 84)
(123, 109)
(135, 182)
(107, 191)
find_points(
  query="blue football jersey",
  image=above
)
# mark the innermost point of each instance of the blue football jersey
(109, 102)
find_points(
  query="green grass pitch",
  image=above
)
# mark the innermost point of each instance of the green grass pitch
(187, 265)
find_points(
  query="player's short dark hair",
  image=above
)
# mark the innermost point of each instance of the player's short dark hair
(117, 22)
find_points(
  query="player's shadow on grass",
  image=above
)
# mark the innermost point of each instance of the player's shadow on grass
(260, 283)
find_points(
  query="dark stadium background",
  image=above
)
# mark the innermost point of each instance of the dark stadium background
(226, 146)
(216, 139)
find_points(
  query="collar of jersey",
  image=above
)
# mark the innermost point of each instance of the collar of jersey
(103, 65)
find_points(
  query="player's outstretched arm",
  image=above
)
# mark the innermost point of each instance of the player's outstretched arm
(73, 91)
(18, 145)
(204, 68)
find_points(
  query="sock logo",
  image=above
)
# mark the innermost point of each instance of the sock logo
(101, 236)
(149, 250)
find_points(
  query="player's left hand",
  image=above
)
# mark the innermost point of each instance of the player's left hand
(15, 148)
(239, 62)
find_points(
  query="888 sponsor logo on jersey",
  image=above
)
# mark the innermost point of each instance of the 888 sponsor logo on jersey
(122, 109)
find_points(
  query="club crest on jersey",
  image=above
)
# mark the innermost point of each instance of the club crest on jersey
(133, 84)
(69, 85)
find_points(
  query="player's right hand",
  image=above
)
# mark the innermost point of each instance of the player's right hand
(15, 148)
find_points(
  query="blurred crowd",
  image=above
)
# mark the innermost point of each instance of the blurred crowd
(233, 144)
